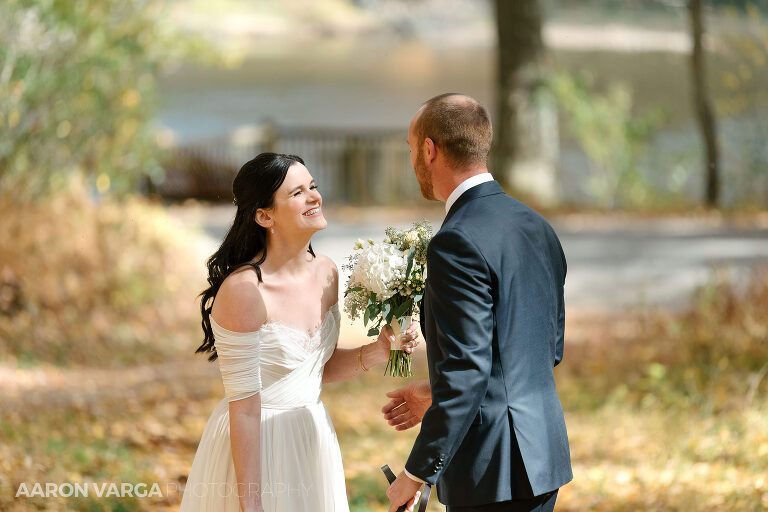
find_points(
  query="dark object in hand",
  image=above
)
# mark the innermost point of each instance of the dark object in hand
(424, 495)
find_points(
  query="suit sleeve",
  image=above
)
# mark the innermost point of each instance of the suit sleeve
(460, 300)
(560, 342)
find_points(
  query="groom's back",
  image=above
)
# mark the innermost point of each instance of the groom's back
(521, 409)
(528, 269)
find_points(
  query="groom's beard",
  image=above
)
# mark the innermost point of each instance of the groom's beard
(424, 178)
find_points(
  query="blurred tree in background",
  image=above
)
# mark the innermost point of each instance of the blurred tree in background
(77, 93)
(524, 150)
(703, 106)
(743, 96)
(520, 47)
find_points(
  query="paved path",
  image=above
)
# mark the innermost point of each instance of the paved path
(613, 262)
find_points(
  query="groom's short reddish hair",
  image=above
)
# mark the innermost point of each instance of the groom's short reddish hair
(458, 125)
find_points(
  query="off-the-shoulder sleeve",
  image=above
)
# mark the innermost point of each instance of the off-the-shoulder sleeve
(239, 363)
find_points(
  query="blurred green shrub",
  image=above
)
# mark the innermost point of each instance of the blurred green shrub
(612, 135)
(77, 92)
(711, 358)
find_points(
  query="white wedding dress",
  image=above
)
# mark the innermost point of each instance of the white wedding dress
(301, 469)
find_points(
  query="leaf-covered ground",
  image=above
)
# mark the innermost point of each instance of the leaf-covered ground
(631, 449)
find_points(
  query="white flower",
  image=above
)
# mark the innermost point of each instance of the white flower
(379, 268)
(412, 237)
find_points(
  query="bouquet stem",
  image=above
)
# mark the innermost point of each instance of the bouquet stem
(399, 364)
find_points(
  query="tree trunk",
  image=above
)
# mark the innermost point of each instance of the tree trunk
(702, 105)
(525, 139)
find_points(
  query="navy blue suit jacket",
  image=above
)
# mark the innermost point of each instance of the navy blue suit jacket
(493, 320)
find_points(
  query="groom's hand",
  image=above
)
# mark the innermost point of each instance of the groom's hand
(408, 405)
(403, 491)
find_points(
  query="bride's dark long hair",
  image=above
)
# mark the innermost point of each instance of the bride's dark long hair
(254, 187)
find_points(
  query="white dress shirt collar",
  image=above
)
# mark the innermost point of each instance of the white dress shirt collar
(464, 186)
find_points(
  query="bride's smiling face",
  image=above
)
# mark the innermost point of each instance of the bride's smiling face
(297, 207)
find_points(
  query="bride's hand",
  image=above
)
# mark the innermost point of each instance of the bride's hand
(408, 341)
(411, 337)
(408, 405)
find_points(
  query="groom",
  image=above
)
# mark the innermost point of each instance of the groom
(492, 433)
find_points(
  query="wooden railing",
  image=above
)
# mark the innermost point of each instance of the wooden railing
(361, 167)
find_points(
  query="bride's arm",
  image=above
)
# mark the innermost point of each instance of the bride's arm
(245, 438)
(239, 307)
(349, 362)
(346, 362)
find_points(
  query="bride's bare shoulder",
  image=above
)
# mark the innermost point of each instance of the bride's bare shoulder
(239, 305)
(328, 274)
(327, 267)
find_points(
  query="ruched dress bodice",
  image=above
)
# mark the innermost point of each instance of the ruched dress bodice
(300, 457)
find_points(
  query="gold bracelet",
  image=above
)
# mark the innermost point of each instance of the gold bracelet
(360, 358)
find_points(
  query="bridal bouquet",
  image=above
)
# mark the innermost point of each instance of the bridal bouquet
(387, 284)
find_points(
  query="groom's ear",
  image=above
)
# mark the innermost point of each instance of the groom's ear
(263, 218)
(430, 150)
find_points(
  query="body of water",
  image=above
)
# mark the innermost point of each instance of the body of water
(334, 85)
(381, 82)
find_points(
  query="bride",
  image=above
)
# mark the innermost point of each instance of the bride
(271, 318)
